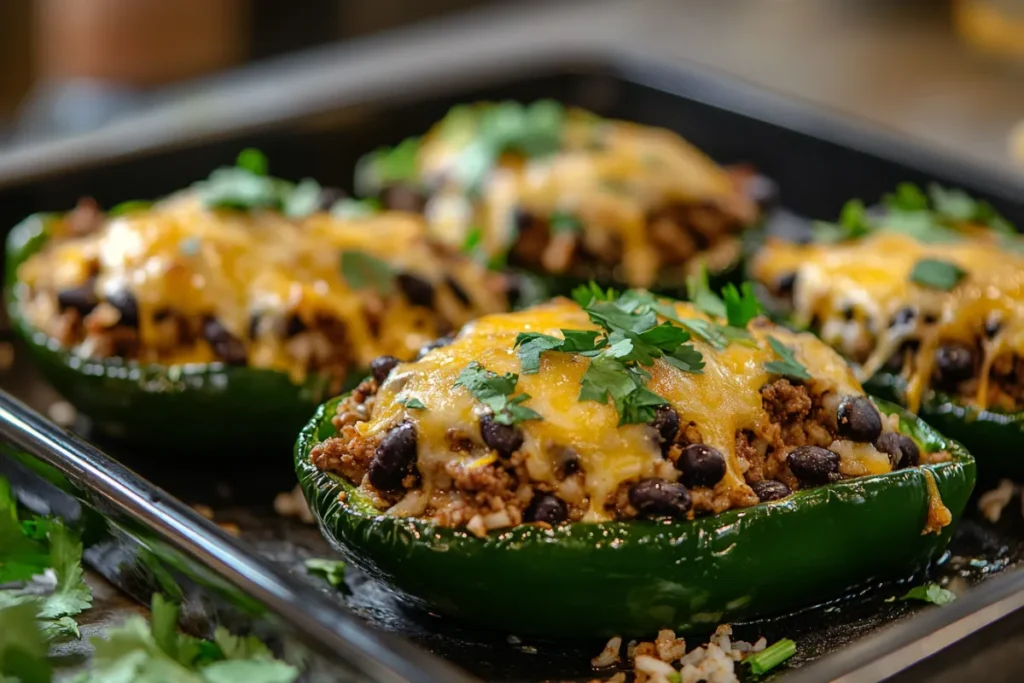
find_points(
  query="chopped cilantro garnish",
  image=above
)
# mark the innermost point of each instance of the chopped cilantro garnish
(353, 209)
(770, 657)
(789, 366)
(853, 223)
(155, 651)
(741, 306)
(411, 402)
(937, 274)
(246, 186)
(494, 391)
(930, 592)
(333, 571)
(698, 291)
(252, 160)
(532, 344)
(473, 239)
(365, 271)
(129, 207)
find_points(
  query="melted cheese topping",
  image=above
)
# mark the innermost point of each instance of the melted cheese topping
(872, 277)
(232, 265)
(724, 399)
(610, 175)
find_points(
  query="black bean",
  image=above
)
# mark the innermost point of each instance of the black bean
(402, 198)
(126, 304)
(814, 465)
(329, 196)
(903, 317)
(546, 507)
(701, 465)
(294, 325)
(992, 326)
(785, 283)
(436, 344)
(254, 325)
(848, 313)
(857, 419)
(659, 498)
(666, 424)
(457, 290)
(523, 218)
(418, 291)
(82, 298)
(769, 489)
(569, 462)
(505, 439)
(394, 458)
(902, 450)
(931, 318)
(226, 346)
(954, 364)
(381, 366)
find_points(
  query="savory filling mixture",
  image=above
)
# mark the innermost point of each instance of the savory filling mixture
(194, 280)
(612, 407)
(567, 192)
(917, 290)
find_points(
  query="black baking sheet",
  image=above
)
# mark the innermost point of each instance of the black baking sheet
(818, 162)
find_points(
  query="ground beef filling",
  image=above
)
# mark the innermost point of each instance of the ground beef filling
(678, 233)
(788, 451)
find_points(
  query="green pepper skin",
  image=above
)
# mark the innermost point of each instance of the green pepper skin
(633, 578)
(196, 406)
(997, 436)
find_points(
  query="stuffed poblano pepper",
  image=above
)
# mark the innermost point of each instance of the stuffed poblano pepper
(622, 464)
(225, 313)
(926, 296)
(569, 195)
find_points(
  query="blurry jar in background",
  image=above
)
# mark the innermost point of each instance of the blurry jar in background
(97, 58)
(994, 26)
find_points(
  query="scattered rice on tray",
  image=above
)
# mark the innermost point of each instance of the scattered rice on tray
(293, 504)
(666, 661)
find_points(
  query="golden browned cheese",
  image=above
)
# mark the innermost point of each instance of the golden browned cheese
(608, 174)
(871, 276)
(198, 262)
(723, 399)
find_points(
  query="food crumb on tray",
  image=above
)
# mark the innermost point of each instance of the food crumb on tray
(293, 504)
(63, 413)
(992, 503)
(665, 660)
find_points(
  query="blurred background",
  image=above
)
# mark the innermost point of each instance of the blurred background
(948, 72)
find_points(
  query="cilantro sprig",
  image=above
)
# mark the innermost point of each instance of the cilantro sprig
(156, 651)
(930, 592)
(247, 187)
(41, 563)
(788, 365)
(495, 392)
(935, 215)
(937, 274)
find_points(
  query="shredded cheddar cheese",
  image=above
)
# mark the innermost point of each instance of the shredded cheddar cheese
(240, 267)
(862, 299)
(610, 176)
(722, 400)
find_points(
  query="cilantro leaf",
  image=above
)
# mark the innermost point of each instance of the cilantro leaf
(411, 402)
(853, 223)
(531, 345)
(252, 160)
(144, 652)
(585, 295)
(303, 200)
(23, 647)
(129, 207)
(937, 274)
(331, 570)
(908, 197)
(604, 378)
(354, 209)
(741, 306)
(687, 359)
(698, 291)
(493, 390)
(789, 366)
(365, 271)
(71, 595)
(639, 405)
(930, 592)
(22, 557)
